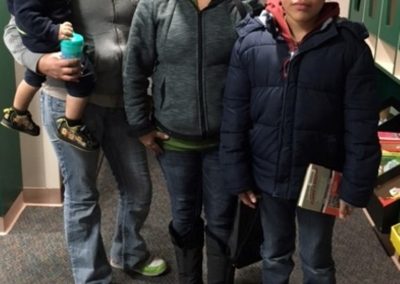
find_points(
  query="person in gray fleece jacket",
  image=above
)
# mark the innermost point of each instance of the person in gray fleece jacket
(185, 46)
(105, 25)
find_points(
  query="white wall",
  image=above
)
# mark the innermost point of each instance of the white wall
(39, 164)
(344, 7)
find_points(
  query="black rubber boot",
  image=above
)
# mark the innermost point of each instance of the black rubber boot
(189, 254)
(220, 268)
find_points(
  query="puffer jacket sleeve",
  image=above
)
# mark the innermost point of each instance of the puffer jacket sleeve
(362, 150)
(234, 146)
(138, 65)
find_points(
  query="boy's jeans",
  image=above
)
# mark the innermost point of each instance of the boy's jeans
(315, 242)
(127, 159)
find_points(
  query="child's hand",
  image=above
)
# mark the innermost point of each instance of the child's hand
(248, 198)
(345, 209)
(65, 31)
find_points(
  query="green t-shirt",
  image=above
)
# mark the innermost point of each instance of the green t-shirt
(182, 145)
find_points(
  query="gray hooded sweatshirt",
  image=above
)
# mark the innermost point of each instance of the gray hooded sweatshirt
(186, 52)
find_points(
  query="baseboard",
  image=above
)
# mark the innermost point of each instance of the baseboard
(12, 215)
(42, 196)
(396, 260)
(29, 197)
(384, 241)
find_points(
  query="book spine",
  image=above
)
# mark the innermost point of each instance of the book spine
(332, 201)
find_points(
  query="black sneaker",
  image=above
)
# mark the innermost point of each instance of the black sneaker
(23, 123)
(78, 136)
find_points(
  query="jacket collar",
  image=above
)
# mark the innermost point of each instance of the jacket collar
(329, 29)
(266, 21)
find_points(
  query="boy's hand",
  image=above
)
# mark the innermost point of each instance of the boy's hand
(65, 31)
(248, 198)
(345, 209)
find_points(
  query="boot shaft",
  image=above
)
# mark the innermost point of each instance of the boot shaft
(189, 254)
(219, 265)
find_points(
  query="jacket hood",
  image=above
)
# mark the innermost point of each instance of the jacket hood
(270, 20)
(357, 29)
(249, 24)
(274, 7)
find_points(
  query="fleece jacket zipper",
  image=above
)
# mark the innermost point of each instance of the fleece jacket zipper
(200, 73)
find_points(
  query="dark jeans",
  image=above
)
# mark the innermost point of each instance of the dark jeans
(194, 181)
(315, 242)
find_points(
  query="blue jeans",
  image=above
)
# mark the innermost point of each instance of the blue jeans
(128, 162)
(315, 242)
(194, 181)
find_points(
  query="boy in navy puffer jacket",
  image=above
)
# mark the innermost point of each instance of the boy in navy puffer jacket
(300, 90)
(42, 25)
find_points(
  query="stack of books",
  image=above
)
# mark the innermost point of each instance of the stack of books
(320, 191)
(390, 144)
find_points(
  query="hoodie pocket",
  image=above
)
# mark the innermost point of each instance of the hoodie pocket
(162, 93)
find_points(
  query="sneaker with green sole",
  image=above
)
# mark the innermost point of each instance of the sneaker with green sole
(77, 136)
(23, 123)
(153, 267)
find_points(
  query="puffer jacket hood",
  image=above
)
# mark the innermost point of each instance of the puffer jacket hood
(267, 20)
(250, 24)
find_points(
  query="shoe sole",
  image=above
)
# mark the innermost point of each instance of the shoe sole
(151, 274)
(75, 145)
(5, 123)
(138, 273)
(116, 266)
